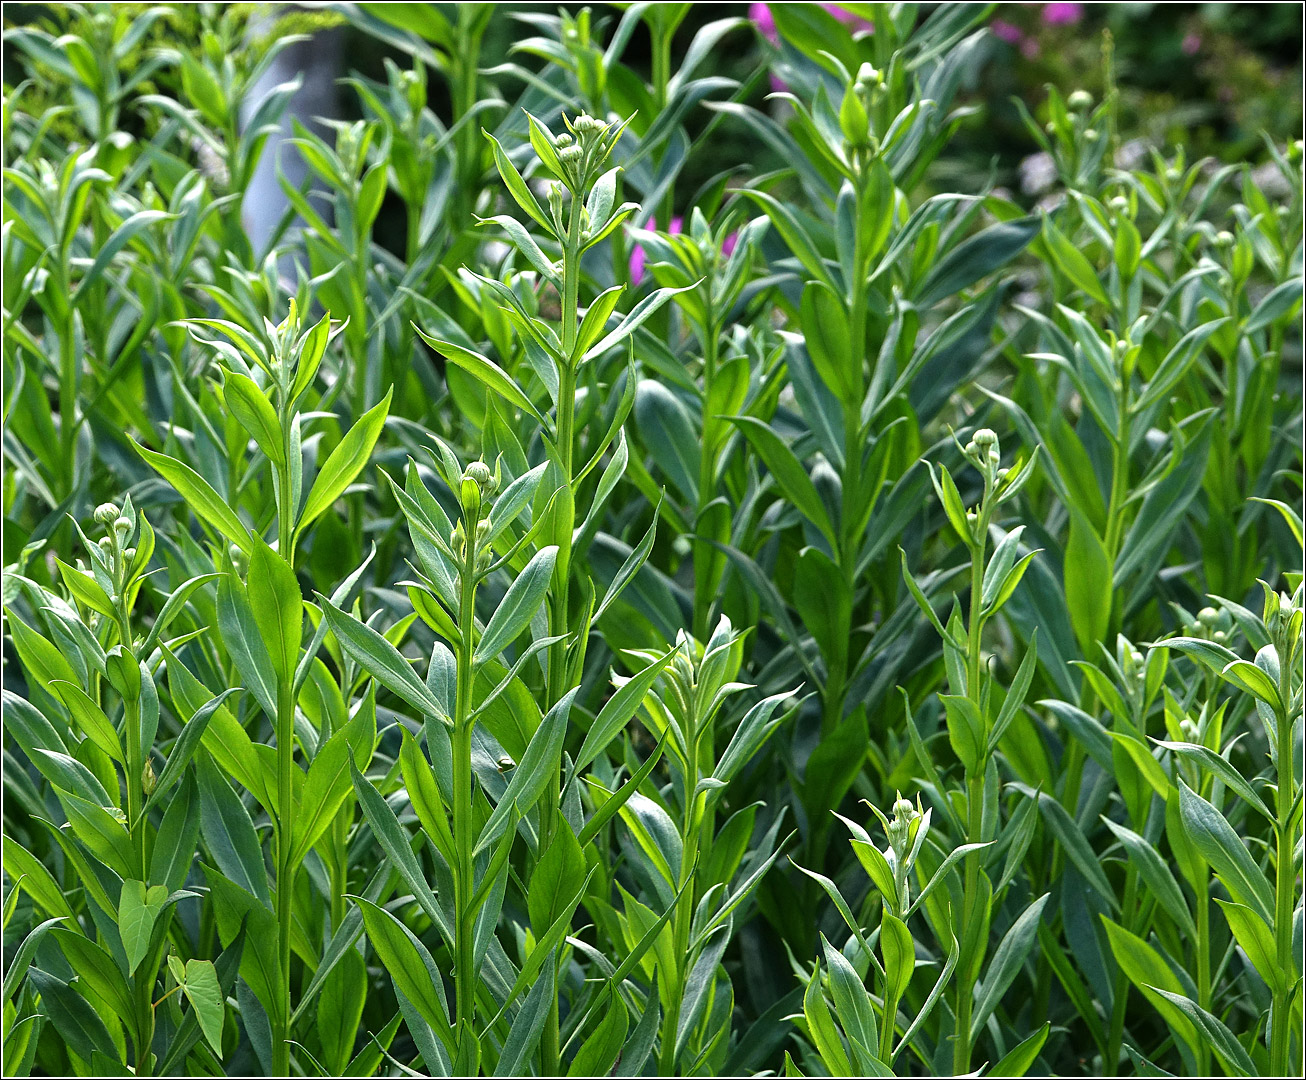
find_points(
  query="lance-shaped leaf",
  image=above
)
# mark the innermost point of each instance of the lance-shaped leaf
(345, 462)
(381, 660)
(518, 606)
(200, 497)
(485, 370)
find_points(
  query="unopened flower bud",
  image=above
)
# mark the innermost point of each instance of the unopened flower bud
(129, 554)
(1090, 134)
(106, 545)
(239, 559)
(1120, 204)
(1189, 730)
(1224, 239)
(122, 525)
(985, 437)
(105, 513)
(563, 141)
(148, 779)
(1080, 100)
(1208, 617)
(971, 449)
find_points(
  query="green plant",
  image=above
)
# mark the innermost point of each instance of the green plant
(424, 634)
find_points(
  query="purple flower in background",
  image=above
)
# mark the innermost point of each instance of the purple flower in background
(1062, 14)
(638, 260)
(637, 256)
(1004, 31)
(1191, 44)
(762, 18)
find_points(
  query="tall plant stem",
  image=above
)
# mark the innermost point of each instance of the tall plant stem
(683, 919)
(1120, 991)
(1280, 1035)
(285, 732)
(967, 969)
(850, 502)
(558, 609)
(704, 584)
(464, 881)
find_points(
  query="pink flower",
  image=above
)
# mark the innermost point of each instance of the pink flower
(761, 16)
(1191, 44)
(637, 256)
(1062, 14)
(638, 260)
(1004, 31)
(1029, 48)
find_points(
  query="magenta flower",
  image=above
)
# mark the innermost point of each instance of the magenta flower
(762, 18)
(1005, 31)
(637, 256)
(1062, 14)
(1191, 44)
(638, 260)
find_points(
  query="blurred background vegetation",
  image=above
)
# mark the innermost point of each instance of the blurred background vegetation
(1213, 79)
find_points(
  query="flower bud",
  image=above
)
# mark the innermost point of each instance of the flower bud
(105, 513)
(129, 554)
(106, 545)
(1189, 731)
(148, 779)
(122, 526)
(1090, 134)
(1080, 100)
(985, 437)
(1224, 239)
(1120, 204)
(239, 559)
(563, 141)
(1208, 617)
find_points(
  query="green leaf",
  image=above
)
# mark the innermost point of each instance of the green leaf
(1215, 838)
(1017, 1061)
(598, 1053)
(1088, 582)
(518, 606)
(618, 710)
(529, 777)
(138, 908)
(1255, 938)
(277, 606)
(200, 497)
(486, 371)
(1149, 973)
(975, 258)
(345, 462)
(229, 833)
(249, 405)
(206, 998)
(1072, 262)
(381, 660)
(788, 473)
(1007, 960)
(410, 965)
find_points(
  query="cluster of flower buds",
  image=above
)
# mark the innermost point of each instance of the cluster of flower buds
(855, 113)
(476, 491)
(117, 534)
(906, 833)
(1214, 624)
(1080, 101)
(985, 454)
(582, 150)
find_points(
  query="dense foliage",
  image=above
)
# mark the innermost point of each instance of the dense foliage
(810, 619)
